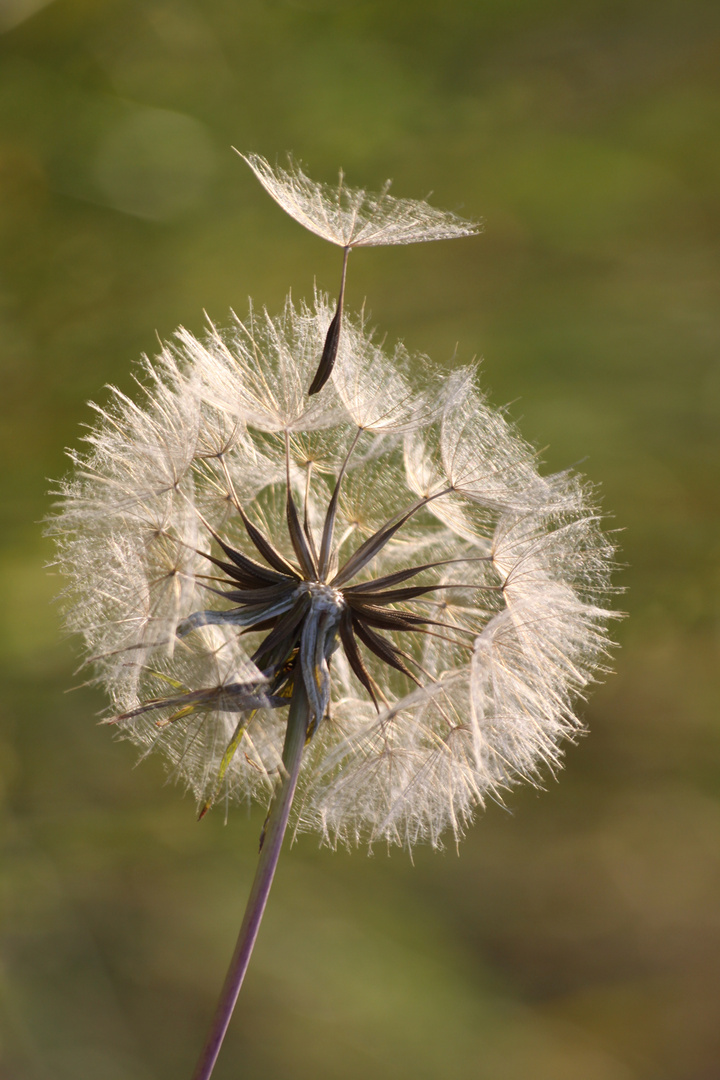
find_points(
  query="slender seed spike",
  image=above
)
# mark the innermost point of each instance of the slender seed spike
(306, 520)
(267, 550)
(403, 575)
(370, 548)
(329, 353)
(254, 596)
(397, 596)
(393, 596)
(403, 620)
(390, 620)
(299, 540)
(354, 658)
(382, 648)
(297, 537)
(375, 543)
(246, 570)
(329, 525)
(264, 547)
(410, 660)
(332, 338)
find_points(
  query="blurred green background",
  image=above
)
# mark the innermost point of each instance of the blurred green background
(577, 935)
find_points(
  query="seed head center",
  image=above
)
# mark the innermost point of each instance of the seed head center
(323, 597)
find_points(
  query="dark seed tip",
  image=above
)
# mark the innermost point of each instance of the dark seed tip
(317, 384)
(329, 354)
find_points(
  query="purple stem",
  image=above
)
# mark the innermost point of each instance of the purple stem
(269, 854)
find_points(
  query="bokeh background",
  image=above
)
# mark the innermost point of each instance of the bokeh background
(576, 933)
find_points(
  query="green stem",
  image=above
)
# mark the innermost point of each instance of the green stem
(270, 852)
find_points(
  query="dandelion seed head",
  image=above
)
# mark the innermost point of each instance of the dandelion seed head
(394, 547)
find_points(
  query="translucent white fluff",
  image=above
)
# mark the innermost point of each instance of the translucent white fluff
(510, 569)
(351, 217)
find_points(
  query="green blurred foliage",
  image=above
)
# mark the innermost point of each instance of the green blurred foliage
(577, 935)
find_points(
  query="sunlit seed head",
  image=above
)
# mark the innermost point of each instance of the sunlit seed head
(441, 600)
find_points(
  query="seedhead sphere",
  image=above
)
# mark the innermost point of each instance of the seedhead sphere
(389, 541)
